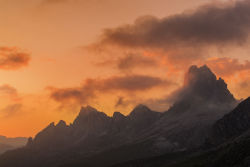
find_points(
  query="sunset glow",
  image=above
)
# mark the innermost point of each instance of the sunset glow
(59, 55)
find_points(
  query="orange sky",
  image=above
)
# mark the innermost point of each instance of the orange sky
(48, 66)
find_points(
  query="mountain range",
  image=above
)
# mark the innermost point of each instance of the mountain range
(205, 120)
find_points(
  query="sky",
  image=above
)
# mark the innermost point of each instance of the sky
(59, 55)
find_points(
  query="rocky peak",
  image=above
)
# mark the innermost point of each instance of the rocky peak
(117, 116)
(87, 110)
(89, 115)
(140, 110)
(61, 124)
(142, 117)
(202, 84)
(196, 75)
(90, 120)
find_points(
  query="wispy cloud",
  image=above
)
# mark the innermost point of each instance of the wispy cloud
(12, 58)
(10, 110)
(227, 67)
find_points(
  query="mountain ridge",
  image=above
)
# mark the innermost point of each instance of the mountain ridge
(146, 133)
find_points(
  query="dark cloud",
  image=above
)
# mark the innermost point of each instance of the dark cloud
(91, 87)
(12, 58)
(207, 25)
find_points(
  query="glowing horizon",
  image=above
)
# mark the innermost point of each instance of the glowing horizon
(59, 55)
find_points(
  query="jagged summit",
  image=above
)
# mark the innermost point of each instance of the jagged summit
(51, 125)
(61, 123)
(141, 117)
(118, 116)
(202, 84)
(195, 68)
(140, 109)
(89, 114)
(87, 110)
(199, 74)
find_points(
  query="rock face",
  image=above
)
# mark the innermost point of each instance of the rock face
(234, 123)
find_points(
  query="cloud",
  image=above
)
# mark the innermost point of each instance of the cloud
(10, 110)
(122, 102)
(183, 39)
(227, 66)
(129, 61)
(8, 90)
(241, 84)
(12, 58)
(91, 87)
(207, 25)
(244, 88)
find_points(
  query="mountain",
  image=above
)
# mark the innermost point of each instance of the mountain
(202, 91)
(95, 139)
(91, 133)
(232, 133)
(11, 143)
(201, 101)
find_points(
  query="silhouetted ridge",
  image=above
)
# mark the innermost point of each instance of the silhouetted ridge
(89, 115)
(53, 136)
(118, 116)
(140, 110)
(61, 124)
(95, 139)
(142, 117)
(202, 74)
(90, 121)
(202, 82)
(235, 123)
(87, 110)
